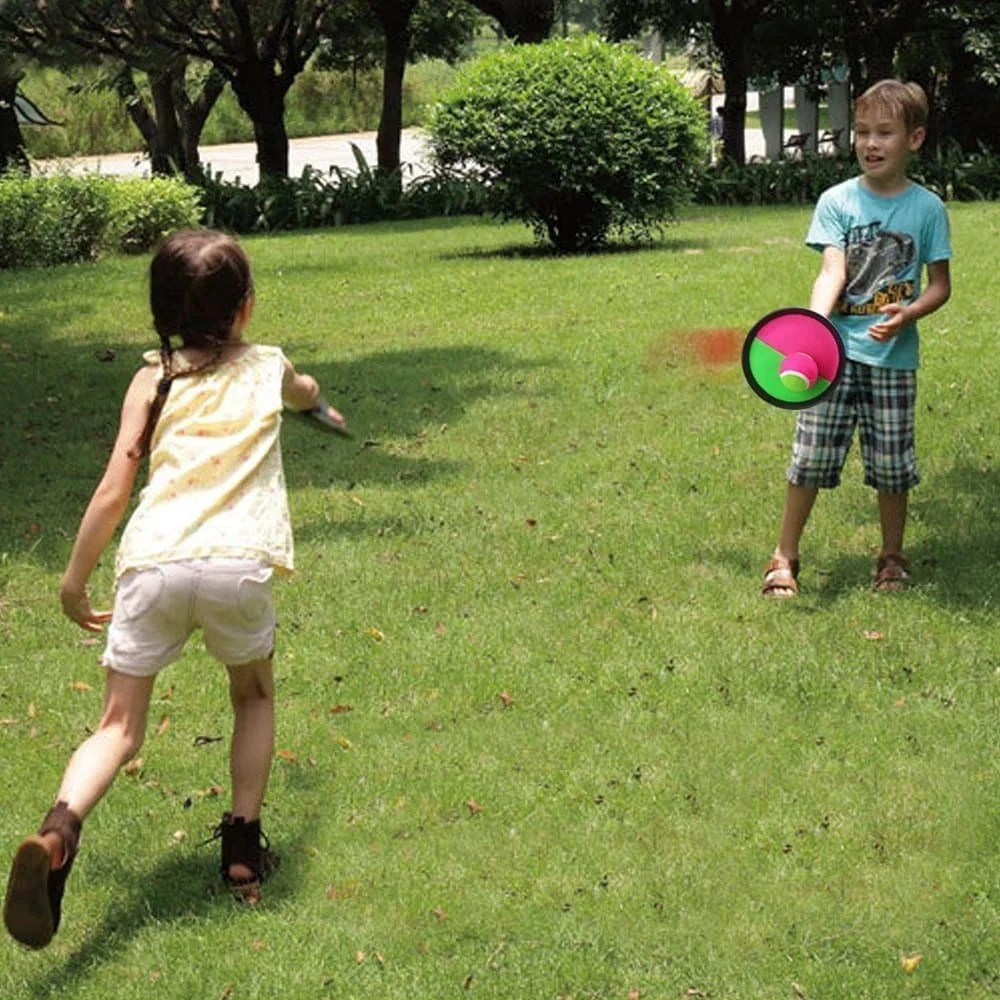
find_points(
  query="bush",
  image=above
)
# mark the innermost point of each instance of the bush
(52, 220)
(577, 137)
(798, 181)
(146, 210)
(57, 219)
(339, 197)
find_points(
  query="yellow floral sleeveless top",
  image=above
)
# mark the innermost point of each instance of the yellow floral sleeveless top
(216, 487)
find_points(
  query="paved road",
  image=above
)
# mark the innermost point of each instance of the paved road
(238, 160)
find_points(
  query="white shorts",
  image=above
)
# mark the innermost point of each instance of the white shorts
(157, 609)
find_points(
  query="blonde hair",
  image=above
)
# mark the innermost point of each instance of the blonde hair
(906, 101)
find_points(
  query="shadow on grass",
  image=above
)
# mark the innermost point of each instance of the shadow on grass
(545, 251)
(956, 566)
(394, 401)
(181, 887)
(63, 412)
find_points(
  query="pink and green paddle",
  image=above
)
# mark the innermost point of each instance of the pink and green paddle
(793, 358)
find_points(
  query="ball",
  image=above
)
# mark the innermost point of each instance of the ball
(798, 372)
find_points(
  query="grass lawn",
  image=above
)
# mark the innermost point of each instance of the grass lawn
(539, 735)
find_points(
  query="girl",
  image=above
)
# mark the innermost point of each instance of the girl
(210, 527)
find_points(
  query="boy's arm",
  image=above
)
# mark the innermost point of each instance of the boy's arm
(829, 282)
(107, 506)
(935, 295)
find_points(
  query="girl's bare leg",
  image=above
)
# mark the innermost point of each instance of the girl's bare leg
(251, 690)
(97, 760)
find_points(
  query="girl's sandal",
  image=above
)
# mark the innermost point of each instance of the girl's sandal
(33, 905)
(244, 844)
(781, 578)
(891, 572)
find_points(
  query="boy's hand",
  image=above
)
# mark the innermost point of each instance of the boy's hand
(890, 327)
(77, 607)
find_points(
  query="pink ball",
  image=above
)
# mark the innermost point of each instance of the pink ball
(798, 372)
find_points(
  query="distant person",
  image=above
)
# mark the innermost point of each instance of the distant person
(211, 526)
(717, 127)
(877, 233)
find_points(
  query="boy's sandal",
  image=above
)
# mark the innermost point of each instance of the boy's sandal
(243, 843)
(33, 904)
(891, 572)
(781, 578)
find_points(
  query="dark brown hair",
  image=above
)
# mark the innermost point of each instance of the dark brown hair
(198, 281)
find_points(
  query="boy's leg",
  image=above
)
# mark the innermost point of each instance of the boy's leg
(892, 515)
(822, 439)
(780, 576)
(889, 452)
(799, 502)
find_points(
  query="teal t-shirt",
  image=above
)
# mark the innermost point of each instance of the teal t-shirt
(887, 243)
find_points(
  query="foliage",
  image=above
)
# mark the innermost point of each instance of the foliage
(58, 219)
(959, 176)
(789, 181)
(52, 220)
(146, 210)
(340, 197)
(578, 138)
(949, 172)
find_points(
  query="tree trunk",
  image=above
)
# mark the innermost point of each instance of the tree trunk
(261, 94)
(167, 155)
(730, 32)
(12, 153)
(192, 116)
(390, 126)
(158, 127)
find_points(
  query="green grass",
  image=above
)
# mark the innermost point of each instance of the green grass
(548, 502)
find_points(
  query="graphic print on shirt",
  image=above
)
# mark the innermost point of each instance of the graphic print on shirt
(877, 264)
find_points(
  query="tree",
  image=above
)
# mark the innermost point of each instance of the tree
(69, 33)
(258, 46)
(410, 29)
(522, 20)
(726, 31)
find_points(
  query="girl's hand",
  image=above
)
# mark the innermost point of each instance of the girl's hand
(891, 326)
(335, 416)
(76, 606)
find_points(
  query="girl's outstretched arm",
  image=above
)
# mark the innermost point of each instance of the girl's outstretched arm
(301, 392)
(107, 506)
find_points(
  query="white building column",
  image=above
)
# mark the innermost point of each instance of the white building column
(807, 117)
(772, 121)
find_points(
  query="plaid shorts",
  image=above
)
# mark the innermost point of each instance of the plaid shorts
(881, 402)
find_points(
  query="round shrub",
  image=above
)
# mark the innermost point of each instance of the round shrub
(147, 209)
(577, 137)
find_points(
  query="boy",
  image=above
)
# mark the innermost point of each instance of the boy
(876, 232)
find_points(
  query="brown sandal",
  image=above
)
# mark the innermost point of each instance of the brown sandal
(33, 905)
(243, 843)
(891, 572)
(781, 574)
